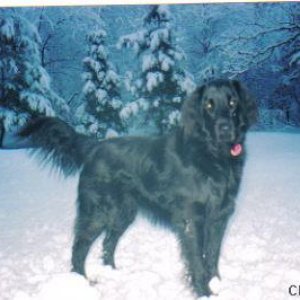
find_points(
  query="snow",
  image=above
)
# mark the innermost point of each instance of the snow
(132, 108)
(37, 102)
(86, 76)
(116, 103)
(112, 77)
(159, 58)
(100, 76)
(12, 118)
(153, 80)
(89, 87)
(164, 11)
(10, 66)
(159, 36)
(100, 90)
(260, 256)
(128, 77)
(7, 29)
(128, 110)
(148, 62)
(166, 61)
(187, 84)
(135, 40)
(97, 36)
(177, 53)
(174, 117)
(93, 127)
(101, 96)
(25, 76)
(101, 52)
(111, 133)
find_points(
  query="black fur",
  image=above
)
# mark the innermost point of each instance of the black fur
(187, 179)
(56, 142)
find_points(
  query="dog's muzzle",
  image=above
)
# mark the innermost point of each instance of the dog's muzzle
(225, 131)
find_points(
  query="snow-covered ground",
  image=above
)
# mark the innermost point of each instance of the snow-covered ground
(259, 261)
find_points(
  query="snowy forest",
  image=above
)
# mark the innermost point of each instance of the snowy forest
(115, 70)
(126, 70)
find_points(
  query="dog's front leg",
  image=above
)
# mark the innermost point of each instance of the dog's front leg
(215, 235)
(216, 224)
(192, 239)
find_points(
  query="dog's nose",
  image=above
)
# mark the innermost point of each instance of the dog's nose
(224, 127)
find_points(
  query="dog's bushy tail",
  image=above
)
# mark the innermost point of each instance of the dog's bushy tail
(56, 142)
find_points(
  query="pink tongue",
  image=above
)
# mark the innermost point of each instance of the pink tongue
(236, 150)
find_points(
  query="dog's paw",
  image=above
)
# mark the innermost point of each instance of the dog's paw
(187, 278)
(202, 290)
(215, 285)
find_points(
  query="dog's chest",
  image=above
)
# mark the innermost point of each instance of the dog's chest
(182, 185)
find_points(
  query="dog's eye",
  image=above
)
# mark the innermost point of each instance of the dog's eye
(209, 105)
(231, 103)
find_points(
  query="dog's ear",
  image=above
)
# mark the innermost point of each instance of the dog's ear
(190, 119)
(249, 105)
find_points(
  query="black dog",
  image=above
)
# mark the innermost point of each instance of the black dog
(188, 179)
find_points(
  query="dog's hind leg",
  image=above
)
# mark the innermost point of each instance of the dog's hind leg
(120, 222)
(82, 244)
(89, 225)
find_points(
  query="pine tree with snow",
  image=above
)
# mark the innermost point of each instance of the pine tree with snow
(99, 114)
(25, 90)
(162, 84)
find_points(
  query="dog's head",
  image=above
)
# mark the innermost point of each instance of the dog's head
(219, 112)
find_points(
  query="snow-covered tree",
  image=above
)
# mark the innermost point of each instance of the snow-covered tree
(162, 84)
(206, 33)
(258, 40)
(24, 84)
(270, 43)
(99, 114)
